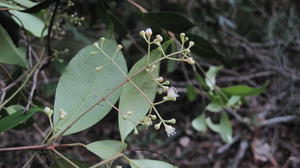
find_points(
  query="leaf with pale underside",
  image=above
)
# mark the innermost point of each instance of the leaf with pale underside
(81, 86)
(105, 148)
(147, 163)
(133, 100)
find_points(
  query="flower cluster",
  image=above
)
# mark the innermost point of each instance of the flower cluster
(183, 55)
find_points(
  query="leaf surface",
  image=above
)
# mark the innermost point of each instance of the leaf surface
(16, 118)
(132, 100)
(81, 86)
(146, 163)
(30, 22)
(199, 123)
(9, 52)
(225, 128)
(105, 148)
(243, 90)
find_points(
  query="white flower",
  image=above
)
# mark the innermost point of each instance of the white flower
(62, 114)
(148, 32)
(170, 130)
(172, 94)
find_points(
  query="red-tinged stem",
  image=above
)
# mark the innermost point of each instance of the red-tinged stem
(39, 147)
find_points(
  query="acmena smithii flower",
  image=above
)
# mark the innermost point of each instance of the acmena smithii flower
(148, 32)
(172, 94)
(170, 130)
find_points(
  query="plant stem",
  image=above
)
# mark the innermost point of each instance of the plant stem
(114, 157)
(63, 157)
(39, 147)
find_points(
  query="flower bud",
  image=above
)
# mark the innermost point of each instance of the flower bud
(191, 44)
(98, 69)
(190, 60)
(135, 132)
(159, 38)
(120, 47)
(157, 126)
(182, 35)
(187, 51)
(142, 33)
(48, 111)
(62, 114)
(129, 113)
(94, 52)
(148, 32)
(165, 88)
(96, 44)
(172, 121)
(153, 117)
(159, 79)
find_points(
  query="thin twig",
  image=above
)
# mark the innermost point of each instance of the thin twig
(278, 120)
(34, 81)
(138, 6)
(40, 147)
(241, 153)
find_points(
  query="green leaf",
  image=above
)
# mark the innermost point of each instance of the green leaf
(199, 123)
(172, 21)
(233, 100)
(203, 48)
(10, 5)
(191, 92)
(26, 3)
(106, 148)
(210, 76)
(9, 53)
(225, 128)
(30, 22)
(14, 108)
(81, 86)
(214, 107)
(242, 90)
(16, 118)
(61, 163)
(212, 126)
(146, 163)
(132, 100)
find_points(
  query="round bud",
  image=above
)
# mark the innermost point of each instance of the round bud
(159, 38)
(120, 47)
(142, 33)
(157, 126)
(191, 44)
(148, 32)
